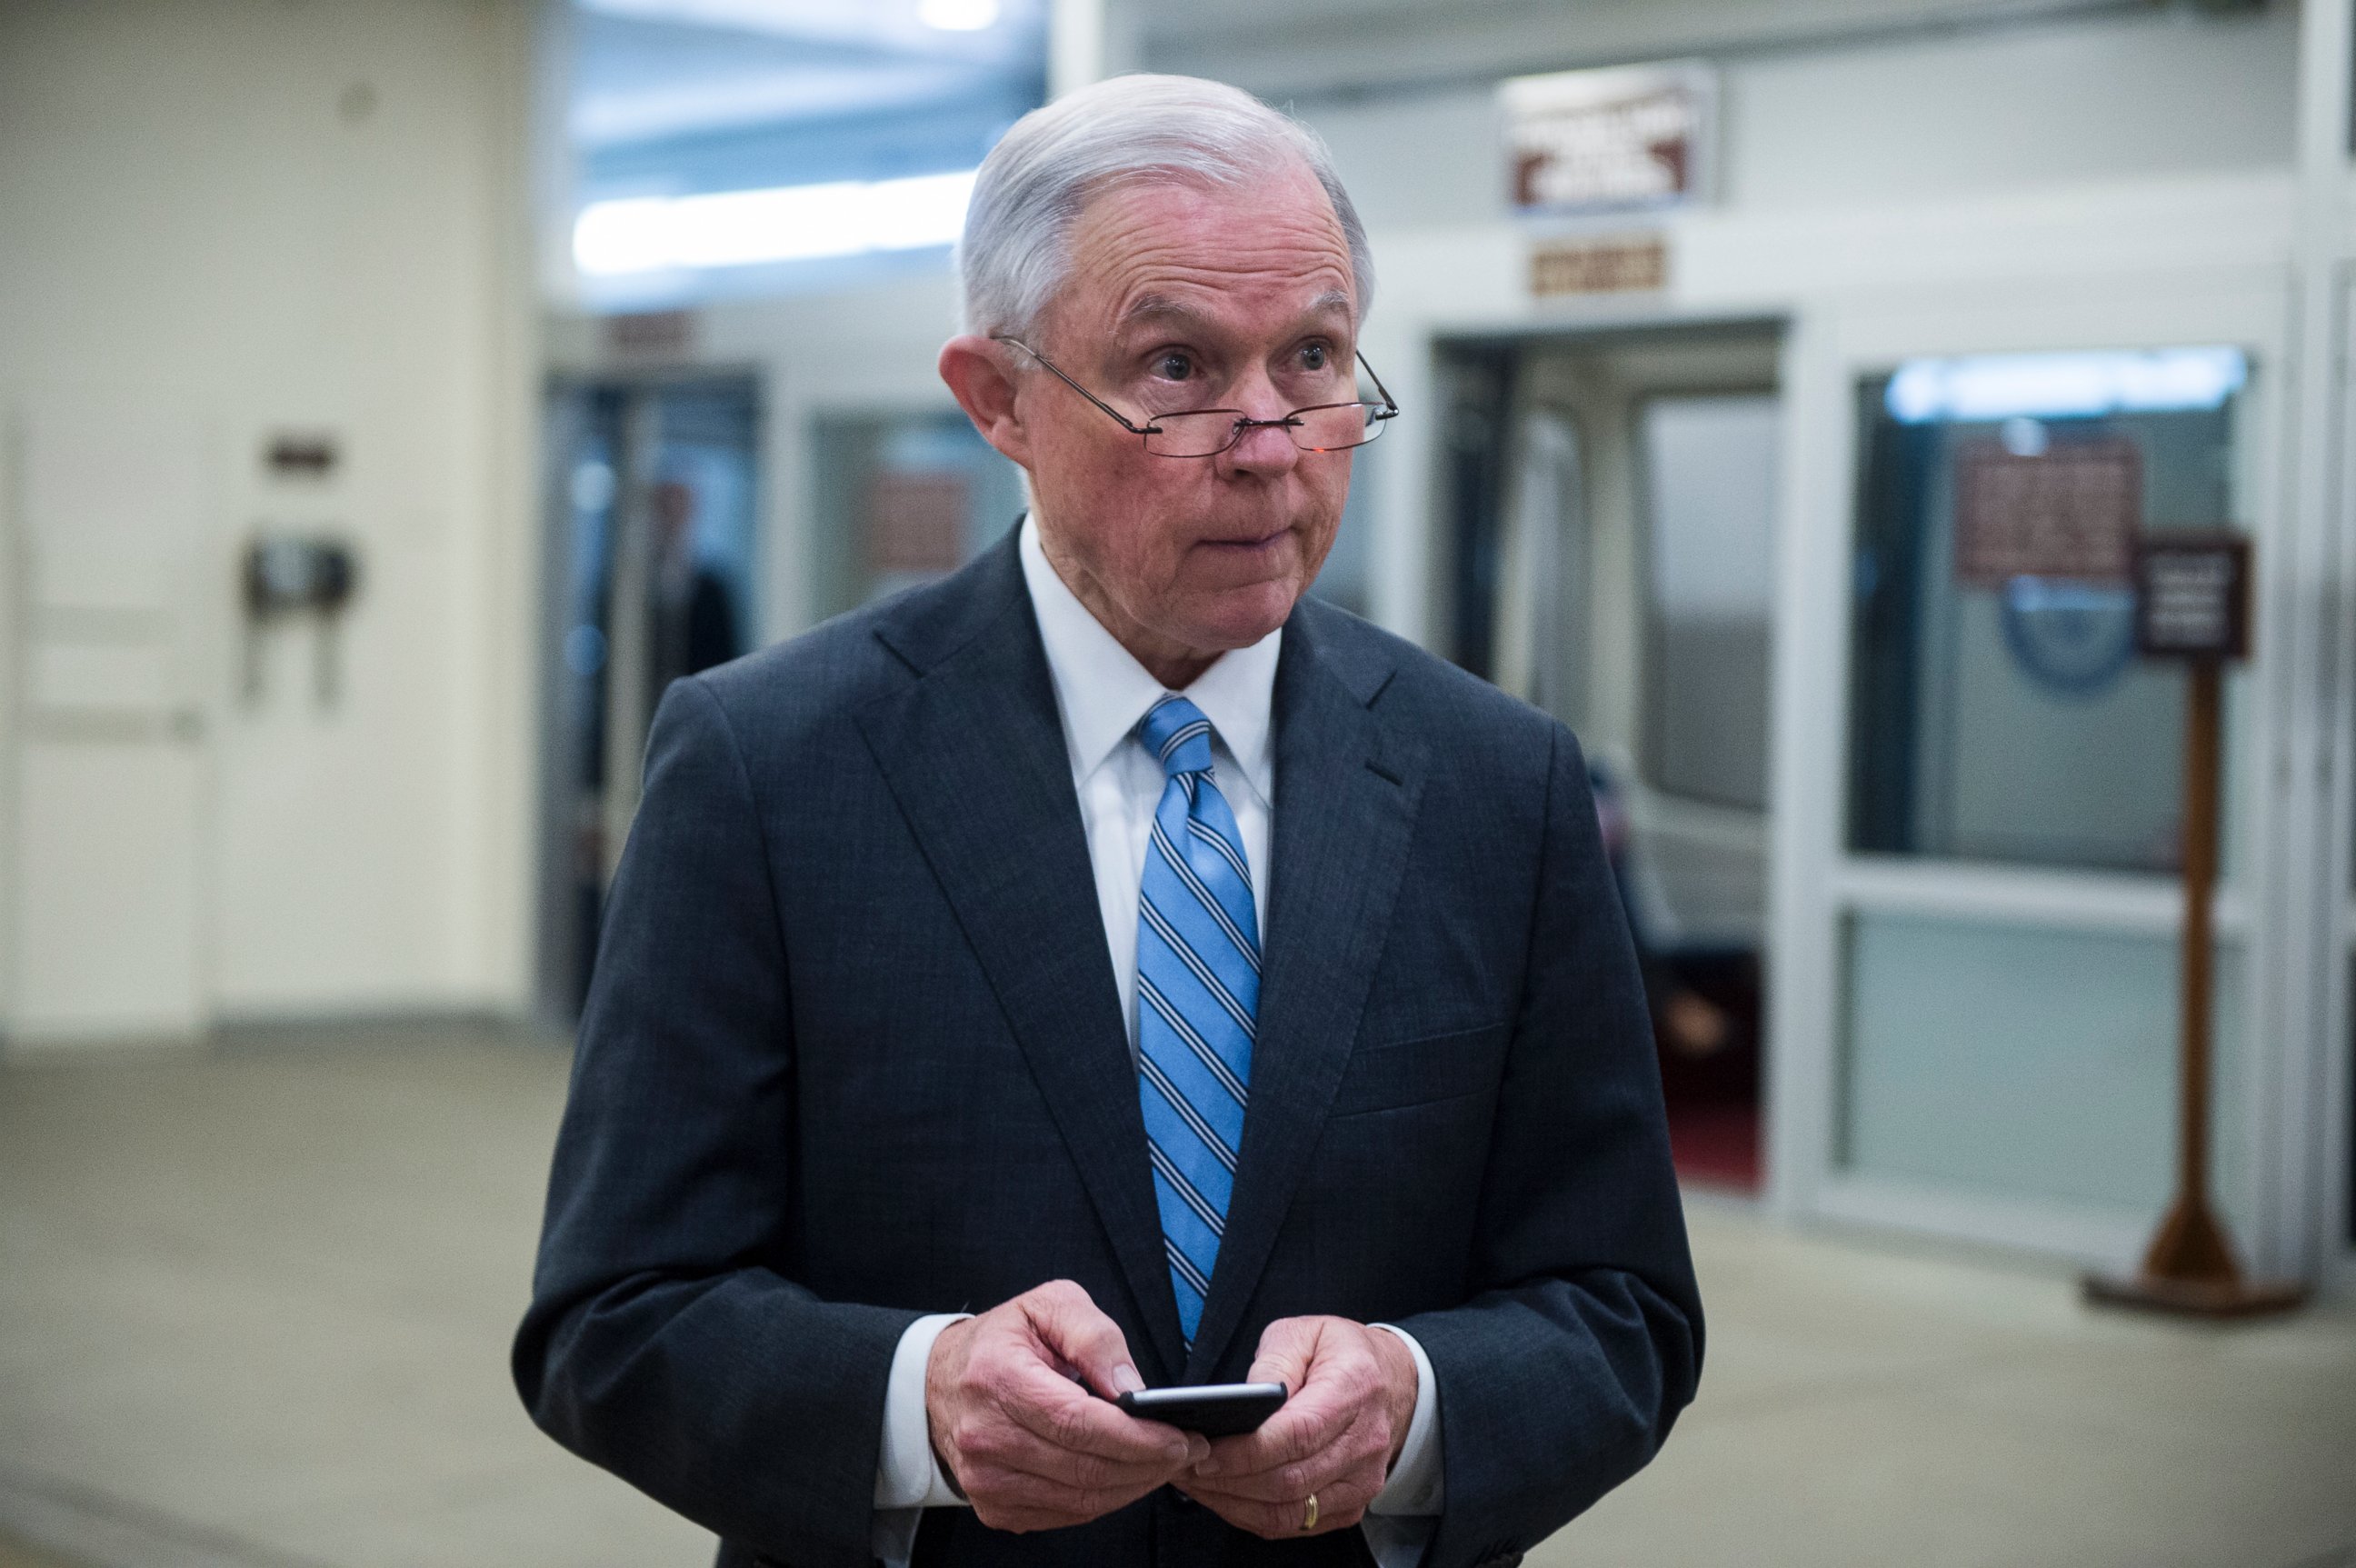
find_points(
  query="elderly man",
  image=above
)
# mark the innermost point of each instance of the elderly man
(1107, 967)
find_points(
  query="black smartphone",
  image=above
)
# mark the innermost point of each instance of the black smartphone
(1214, 1409)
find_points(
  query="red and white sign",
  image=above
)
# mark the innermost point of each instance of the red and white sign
(1623, 138)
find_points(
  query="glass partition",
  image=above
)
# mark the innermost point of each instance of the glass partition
(903, 499)
(2029, 1062)
(1997, 713)
(2006, 1037)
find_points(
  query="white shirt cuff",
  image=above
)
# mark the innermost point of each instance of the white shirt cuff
(1418, 1482)
(907, 1474)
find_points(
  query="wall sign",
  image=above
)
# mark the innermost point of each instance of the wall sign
(1611, 140)
(1617, 263)
(2070, 512)
(916, 522)
(301, 454)
(651, 334)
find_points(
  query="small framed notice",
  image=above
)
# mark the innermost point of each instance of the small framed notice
(2192, 596)
(2070, 513)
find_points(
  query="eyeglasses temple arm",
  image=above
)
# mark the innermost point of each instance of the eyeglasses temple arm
(1059, 375)
(1390, 404)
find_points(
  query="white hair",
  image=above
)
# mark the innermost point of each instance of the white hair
(1126, 130)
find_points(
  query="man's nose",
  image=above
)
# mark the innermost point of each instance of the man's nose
(1265, 446)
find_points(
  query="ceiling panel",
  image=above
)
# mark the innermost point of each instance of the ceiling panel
(1326, 47)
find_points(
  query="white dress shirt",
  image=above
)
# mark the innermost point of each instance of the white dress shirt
(1101, 692)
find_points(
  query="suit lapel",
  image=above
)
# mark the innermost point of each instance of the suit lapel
(1346, 799)
(973, 752)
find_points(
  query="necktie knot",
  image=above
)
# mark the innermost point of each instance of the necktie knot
(1178, 735)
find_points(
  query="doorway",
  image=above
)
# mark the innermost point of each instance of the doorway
(651, 557)
(1611, 503)
(106, 620)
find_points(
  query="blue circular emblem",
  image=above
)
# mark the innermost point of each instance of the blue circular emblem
(2071, 637)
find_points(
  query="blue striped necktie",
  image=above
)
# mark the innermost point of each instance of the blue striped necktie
(1197, 994)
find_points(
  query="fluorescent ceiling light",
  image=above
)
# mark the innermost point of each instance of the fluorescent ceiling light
(2060, 386)
(957, 15)
(605, 117)
(886, 23)
(790, 224)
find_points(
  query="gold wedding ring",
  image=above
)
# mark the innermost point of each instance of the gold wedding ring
(1310, 1521)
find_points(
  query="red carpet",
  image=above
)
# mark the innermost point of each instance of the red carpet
(1715, 1144)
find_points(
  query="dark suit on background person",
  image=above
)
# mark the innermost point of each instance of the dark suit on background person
(854, 1054)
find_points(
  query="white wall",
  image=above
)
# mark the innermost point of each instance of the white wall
(259, 214)
(2050, 104)
(1370, 48)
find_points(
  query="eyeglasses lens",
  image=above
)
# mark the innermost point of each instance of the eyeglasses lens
(1332, 428)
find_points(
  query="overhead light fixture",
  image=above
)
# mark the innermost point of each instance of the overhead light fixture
(957, 15)
(789, 224)
(1992, 387)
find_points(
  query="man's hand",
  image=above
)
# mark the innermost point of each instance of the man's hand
(1353, 1395)
(1030, 1447)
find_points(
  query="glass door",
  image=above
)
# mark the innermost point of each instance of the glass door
(1984, 889)
(650, 563)
(2000, 722)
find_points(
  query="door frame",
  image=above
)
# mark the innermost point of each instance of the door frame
(552, 959)
(1822, 883)
(2333, 1039)
(1410, 587)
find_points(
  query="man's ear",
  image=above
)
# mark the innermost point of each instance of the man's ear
(977, 374)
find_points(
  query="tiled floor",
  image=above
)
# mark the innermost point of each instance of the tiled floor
(15, 1555)
(254, 1305)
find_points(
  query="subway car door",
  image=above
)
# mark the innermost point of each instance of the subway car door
(1613, 500)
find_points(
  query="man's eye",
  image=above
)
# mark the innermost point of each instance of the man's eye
(1315, 357)
(1174, 366)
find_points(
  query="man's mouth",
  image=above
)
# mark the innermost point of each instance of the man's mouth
(1248, 541)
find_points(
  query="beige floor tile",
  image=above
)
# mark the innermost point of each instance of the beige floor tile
(255, 1303)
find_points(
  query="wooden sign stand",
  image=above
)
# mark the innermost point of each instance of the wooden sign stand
(2202, 581)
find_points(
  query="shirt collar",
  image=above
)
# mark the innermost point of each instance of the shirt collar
(1102, 691)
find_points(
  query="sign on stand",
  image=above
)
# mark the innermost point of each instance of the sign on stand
(2192, 604)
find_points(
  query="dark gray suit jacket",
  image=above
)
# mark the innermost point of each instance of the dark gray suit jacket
(853, 1053)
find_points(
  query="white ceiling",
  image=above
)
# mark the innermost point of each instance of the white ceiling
(655, 69)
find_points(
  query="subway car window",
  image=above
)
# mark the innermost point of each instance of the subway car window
(1709, 465)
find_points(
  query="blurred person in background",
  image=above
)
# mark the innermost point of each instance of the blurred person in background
(694, 619)
(1109, 968)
